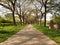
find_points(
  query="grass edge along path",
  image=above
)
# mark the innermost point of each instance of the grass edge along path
(51, 33)
(8, 31)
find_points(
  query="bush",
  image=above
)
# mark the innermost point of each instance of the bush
(1, 19)
(6, 24)
(56, 18)
(5, 21)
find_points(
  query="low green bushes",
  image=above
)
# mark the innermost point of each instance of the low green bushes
(6, 24)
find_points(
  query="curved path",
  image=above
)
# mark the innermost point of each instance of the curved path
(29, 36)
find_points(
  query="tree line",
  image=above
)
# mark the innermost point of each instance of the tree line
(23, 7)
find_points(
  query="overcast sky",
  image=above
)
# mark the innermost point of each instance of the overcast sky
(3, 11)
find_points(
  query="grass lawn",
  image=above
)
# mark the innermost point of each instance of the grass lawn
(7, 31)
(51, 33)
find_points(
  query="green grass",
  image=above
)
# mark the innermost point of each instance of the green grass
(51, 33)
(7, 31)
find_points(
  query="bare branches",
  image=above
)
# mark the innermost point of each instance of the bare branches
(5, 6)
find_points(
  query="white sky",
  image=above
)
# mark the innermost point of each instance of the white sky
(49, 16)
(3, 11)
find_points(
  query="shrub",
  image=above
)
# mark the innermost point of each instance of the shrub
(6, 24)
(5, 21)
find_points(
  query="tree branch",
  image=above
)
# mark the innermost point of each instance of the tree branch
(5, 6)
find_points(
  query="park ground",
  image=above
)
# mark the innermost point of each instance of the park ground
(30, 34)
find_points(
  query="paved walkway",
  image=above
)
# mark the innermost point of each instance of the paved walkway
(29, 36)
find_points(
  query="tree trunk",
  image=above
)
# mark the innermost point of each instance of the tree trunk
(14, 22)
(20, 19)
(45, 14)
(41, 19)
(40, 22)
(13, 12)
(45, 20)
(23, 19)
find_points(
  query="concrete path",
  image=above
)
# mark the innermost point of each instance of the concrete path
(29, 36)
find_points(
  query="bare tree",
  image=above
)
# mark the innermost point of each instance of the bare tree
(9, 4)
(47, 5)
(19, 7)
(39, 13)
